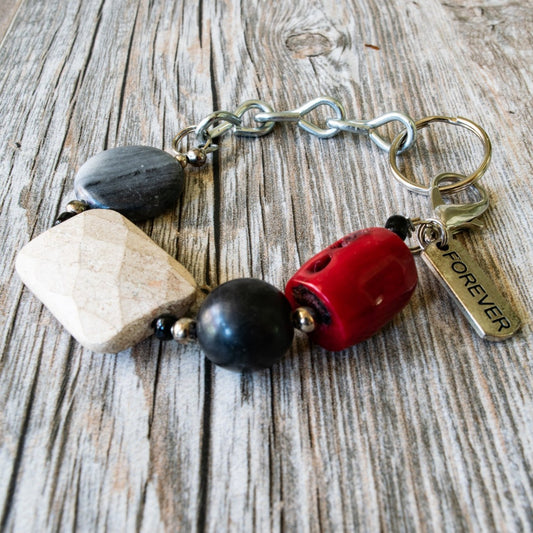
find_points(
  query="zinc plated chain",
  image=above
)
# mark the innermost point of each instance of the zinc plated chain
(220, 122)
(451, 218)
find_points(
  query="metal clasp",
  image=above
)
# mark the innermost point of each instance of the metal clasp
(458, 217)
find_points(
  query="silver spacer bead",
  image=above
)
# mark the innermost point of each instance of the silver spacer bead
(196, 157)
(184, 330)
(77, 206)
(303, 319)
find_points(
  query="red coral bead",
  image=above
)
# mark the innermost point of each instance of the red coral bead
(355, 286)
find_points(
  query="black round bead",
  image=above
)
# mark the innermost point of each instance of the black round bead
(163, 327)
(63, 216)
(245, 324)
(400, 225)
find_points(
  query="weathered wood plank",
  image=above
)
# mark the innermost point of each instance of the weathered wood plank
(423, 427)
(9, 11)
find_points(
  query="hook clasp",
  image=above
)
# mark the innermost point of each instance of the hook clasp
(457, 217)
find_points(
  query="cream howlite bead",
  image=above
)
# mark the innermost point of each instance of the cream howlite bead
(104, 279)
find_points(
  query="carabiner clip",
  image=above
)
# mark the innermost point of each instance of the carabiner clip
(457, 217)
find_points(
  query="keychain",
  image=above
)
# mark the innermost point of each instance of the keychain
(111, 286)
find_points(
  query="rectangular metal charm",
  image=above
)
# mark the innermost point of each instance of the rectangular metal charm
(481, 302)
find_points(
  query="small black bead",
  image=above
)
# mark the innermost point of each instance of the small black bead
(400, 225)
(163, 327)
(245, 324)
(63, 216)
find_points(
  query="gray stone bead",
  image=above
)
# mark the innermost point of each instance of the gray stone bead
(138, 181)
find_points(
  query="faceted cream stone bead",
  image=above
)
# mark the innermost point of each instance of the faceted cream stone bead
(104, 279)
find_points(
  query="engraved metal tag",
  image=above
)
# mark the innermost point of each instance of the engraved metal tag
(481, 302)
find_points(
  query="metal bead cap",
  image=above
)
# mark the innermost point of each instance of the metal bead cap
(184, 330)
(77, 206)
(303, 319)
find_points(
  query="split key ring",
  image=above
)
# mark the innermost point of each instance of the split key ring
(456, 186)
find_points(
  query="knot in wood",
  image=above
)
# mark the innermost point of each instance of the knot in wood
(308, 44)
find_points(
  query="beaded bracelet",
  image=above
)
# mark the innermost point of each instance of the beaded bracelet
(111, 286)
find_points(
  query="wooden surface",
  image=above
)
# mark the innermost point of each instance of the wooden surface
(424, 427)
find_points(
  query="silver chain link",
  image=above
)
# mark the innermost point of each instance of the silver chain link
(298, 116)
(219, 123)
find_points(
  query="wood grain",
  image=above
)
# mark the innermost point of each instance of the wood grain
(423, 427)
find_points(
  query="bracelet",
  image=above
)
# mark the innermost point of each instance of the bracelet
(111, 286)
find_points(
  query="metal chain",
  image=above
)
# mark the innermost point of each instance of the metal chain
(219, 123)
(298, 116)
(451, 217)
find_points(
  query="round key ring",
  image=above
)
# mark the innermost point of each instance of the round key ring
(450, 187)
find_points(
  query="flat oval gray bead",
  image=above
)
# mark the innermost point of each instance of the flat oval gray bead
(138, 181)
